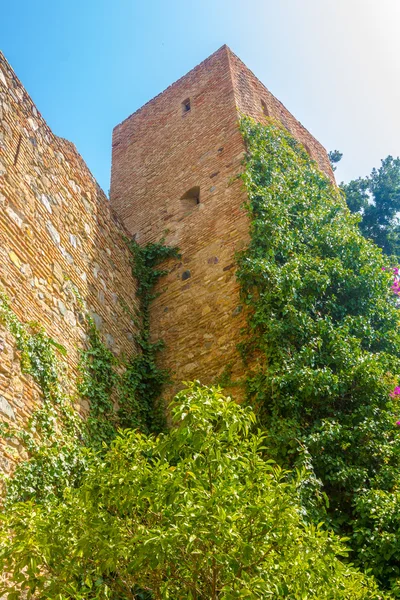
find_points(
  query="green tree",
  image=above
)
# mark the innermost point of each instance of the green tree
(334, 157)
(323, 342)
(196, 513)
(377, 199)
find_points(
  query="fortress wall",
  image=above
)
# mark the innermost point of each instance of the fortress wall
(159, 153)
(56, 231)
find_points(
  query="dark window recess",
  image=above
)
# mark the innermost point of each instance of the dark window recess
(186, 106)
(264, 108)
(191, 198)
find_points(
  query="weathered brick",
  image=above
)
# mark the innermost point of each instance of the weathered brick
(55, 222)
(160, 154)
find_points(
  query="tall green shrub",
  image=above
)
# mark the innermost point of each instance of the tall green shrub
(197, 513)
(323, 343)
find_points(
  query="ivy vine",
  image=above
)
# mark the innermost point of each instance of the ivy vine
(55, 436)
(60, 444)
(96, 384)
(143, 380)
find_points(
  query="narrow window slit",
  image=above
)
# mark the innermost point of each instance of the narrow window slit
(264, 108)
(17, 150)
(186, 106)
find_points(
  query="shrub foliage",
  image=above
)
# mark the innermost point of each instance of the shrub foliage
(323, 342)
(195, 513)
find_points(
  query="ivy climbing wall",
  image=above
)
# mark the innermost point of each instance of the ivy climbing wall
(62, 250)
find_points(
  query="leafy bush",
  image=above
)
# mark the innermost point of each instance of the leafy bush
(196, 513)
(323, 341)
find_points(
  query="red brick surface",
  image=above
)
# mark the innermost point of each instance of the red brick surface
(159, 153)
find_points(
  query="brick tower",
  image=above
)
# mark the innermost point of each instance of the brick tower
(174, 164)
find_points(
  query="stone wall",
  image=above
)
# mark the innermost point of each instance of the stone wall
(57, 232)
(159, 153)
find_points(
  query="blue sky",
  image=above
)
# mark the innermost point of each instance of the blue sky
(88, 64)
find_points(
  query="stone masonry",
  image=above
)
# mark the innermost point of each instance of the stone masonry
(174, 173)
(57, 232)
